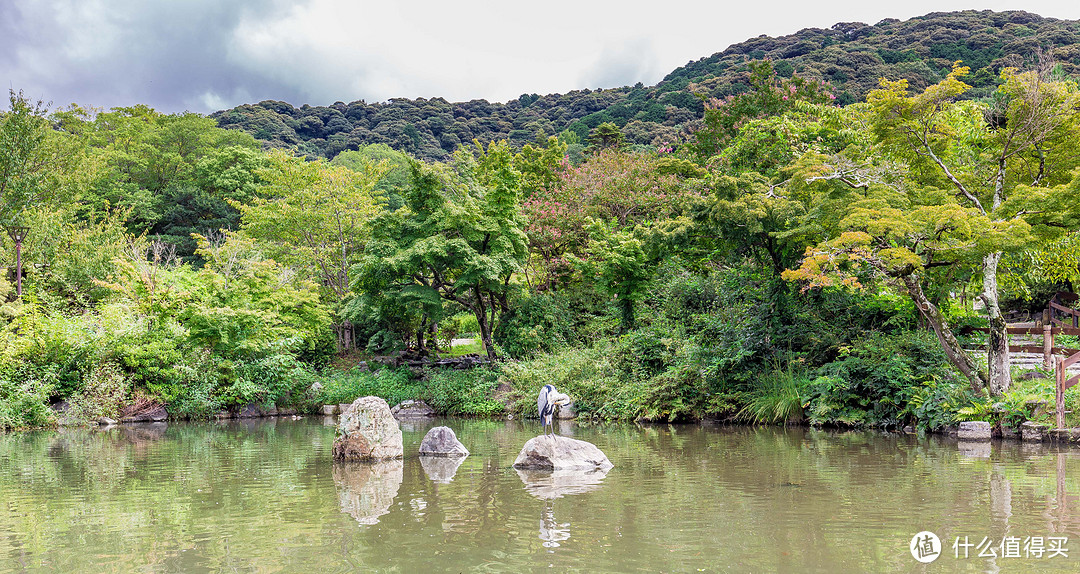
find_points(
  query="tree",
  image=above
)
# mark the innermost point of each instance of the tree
(1003, 164)
(606, 136)
(459, 238)
(947, 185)
(314, 216)
(768, 96)
(37, 163)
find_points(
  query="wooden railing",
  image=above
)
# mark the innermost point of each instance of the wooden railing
(1062, 363)
(1057, 319)
(1052, 311)
(1063, 384)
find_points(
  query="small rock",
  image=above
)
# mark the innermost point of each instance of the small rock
(974, 430)
(412, 410)
(368, 432)
(441, 441)
(560, 453)
(155, 415)
(1032, 431)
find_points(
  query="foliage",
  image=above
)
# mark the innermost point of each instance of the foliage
(458, 240)
(468, 392)
(394, 386)
(24, 398)
(539, 323)
(314, 215)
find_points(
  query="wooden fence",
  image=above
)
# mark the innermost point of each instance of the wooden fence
(1057, 319)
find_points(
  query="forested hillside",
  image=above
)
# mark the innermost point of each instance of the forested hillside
(792, 259)
(851, 56)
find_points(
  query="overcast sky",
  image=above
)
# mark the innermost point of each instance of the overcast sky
(206, 55)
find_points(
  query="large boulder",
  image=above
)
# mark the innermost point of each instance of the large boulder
(441, 441)
(560, 453)
(368, 432)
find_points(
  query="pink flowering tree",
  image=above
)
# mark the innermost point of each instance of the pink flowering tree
(768, 96)
(621, 189)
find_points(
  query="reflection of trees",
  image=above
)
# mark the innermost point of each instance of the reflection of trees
(143, 497)
(367, 490)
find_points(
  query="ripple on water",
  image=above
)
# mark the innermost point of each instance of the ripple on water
(264, 495)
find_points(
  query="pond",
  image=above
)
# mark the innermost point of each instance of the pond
(264, 496)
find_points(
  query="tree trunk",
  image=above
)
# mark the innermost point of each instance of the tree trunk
(957, 356)
(997, 349)
(485, 327)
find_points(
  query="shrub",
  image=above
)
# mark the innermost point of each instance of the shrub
(393, 385)
(23, 399)
(465, 392)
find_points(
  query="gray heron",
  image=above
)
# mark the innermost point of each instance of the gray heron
(545, 403)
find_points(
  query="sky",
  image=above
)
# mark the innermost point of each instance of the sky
(207, 55)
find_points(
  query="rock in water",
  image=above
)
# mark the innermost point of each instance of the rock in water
(368, 432)
(441, 441)
(560, 453)
(412, 410)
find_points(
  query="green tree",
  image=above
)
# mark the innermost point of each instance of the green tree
(313, 216)
(606, 136)
(1006, 164)
(459, 238)
(37, 163)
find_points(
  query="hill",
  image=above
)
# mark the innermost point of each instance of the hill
(852, 56)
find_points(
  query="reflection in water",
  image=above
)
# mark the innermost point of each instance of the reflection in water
(974, 448)
(212, 497)
(552, 532)
(549, 485)
(367, 490)
(441, 469)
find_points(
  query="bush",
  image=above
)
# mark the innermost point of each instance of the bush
(466, 392)
(537, 324)
(24, 399)
(103, 393)
(391, 385)
(872, 381)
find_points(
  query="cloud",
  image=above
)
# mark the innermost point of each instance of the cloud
(204, 55)
(626, 64)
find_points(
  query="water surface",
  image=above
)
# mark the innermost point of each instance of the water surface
(264, 496)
